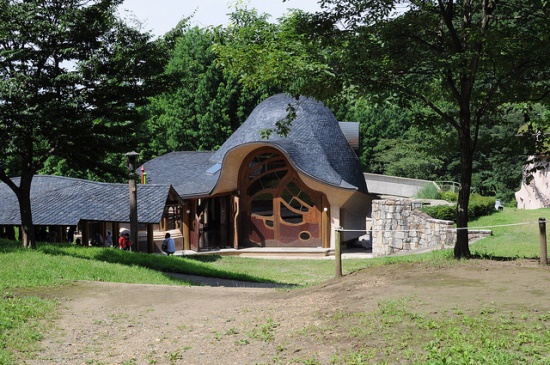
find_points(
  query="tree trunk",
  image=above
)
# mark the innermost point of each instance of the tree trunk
(462, 248)
(24, 198)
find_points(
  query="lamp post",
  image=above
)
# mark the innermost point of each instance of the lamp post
(131, 157)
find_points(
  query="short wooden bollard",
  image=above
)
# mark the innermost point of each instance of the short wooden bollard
(338, 251)
(543, 246)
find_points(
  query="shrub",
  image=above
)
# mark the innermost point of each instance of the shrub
(444, 212)
(449, 196)
(479, 206)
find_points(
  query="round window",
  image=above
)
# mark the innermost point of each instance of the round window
(305, 236)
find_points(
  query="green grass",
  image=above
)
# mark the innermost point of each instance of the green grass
(22, 324)
(51, 265)
(515, 233)
(428, 191)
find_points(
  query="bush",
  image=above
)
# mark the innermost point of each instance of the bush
(444, 212)
(479, 206)
(449, 196)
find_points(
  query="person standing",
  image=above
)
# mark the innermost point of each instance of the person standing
(122, 242)
(169, 245)
(109, 239)
(128, 242)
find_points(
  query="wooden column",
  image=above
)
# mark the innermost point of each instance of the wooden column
(116, 233)
(60, 234)
(325, 223)
(185, 226)
(134, 234)
(150, 241)
(85, 233)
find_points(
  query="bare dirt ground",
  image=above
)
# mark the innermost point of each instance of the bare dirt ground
(107, 323)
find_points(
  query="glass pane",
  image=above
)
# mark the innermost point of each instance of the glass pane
(262, 205)
(290, 198)
(269, 181)
(290, 216)
(297, 192)
(275, 164)
(265, 162)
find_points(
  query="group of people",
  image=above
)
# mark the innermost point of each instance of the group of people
(124, 242)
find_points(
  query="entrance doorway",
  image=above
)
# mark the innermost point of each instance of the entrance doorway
(277, 208)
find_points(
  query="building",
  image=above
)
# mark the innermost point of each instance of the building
(63, 206)
(283, 191)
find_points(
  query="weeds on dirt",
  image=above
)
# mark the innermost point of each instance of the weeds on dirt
(397, 331)
(174, 356)
(264, 331)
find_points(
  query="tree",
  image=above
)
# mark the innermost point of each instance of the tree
(71, 77)
(202, 105)
(460, 59)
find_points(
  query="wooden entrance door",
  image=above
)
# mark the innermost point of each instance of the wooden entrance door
(277, 208)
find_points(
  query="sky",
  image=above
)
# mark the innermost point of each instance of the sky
(160, 16)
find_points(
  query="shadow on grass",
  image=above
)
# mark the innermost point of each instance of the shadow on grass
(204, 258)
(483, 256)
(166, 264)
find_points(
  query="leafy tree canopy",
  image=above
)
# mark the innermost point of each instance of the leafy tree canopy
(202, 104)
(71, 78)
(461, 60)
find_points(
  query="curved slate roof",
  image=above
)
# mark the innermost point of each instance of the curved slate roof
(57, 200)
(316, 144)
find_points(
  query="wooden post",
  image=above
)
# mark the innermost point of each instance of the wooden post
(150, 242)
(85, 233)
(338, 251)
(133, 212)
(542, 230)
(60, 234)
(185, 226)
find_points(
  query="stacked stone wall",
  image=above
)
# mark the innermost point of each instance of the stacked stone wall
(398, 226)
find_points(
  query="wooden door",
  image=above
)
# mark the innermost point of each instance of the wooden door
(277, 208)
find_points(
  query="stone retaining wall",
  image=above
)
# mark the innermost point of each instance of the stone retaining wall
(398, 226)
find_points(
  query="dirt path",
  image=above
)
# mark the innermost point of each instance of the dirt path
(106, 323)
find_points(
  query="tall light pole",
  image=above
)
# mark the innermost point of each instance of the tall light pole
(132, 165)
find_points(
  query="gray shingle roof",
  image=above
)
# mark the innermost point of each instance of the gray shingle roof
(59, 200)
(315, 144)
(185, 171)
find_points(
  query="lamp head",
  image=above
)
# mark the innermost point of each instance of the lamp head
(131, 158)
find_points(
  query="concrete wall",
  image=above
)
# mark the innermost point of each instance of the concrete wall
(395, 186)
(352, 216)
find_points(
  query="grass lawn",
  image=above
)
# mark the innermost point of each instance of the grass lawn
(515, 235)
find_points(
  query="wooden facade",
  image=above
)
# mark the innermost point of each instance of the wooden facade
(275, 208)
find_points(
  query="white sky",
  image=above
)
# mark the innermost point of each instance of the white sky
(160, 16)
